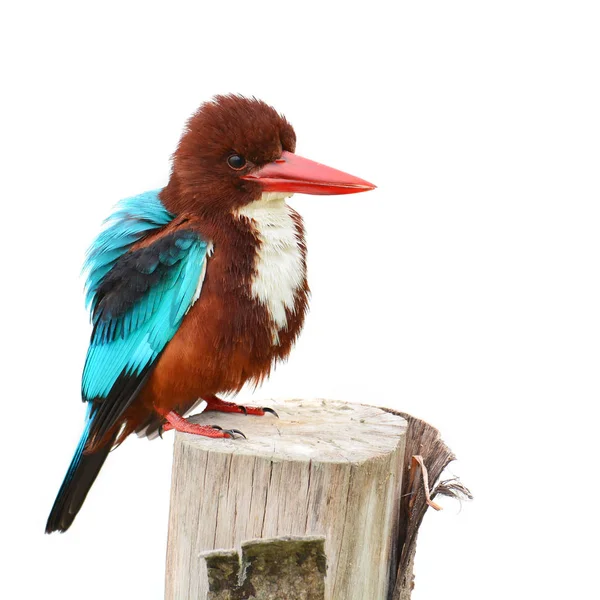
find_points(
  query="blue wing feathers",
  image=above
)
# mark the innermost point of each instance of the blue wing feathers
(132, 219)
(137, 298)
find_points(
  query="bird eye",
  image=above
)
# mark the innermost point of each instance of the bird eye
(236, 162)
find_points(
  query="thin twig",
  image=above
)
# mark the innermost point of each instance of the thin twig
(419, 459)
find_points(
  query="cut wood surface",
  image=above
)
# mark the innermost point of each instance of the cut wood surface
(323, 468)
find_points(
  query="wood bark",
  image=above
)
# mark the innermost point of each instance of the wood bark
(423, 441)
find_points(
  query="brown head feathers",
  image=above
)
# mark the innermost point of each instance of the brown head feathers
(203, 179)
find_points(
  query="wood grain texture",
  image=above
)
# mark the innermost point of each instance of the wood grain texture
(324, 468)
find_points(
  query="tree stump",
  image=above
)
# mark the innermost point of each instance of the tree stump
(324, 468)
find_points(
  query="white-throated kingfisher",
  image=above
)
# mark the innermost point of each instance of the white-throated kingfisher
(197, 288)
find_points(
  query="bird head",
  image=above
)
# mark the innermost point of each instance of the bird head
(236, 149)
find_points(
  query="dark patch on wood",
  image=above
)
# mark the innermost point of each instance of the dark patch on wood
(223, 571)
(293, 568)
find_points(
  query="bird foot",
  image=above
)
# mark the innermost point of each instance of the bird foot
(215, 403)
(178, 423)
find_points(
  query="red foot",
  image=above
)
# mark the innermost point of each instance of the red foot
(177, 422)
(215, 403)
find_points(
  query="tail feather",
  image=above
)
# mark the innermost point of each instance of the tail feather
(82, 473)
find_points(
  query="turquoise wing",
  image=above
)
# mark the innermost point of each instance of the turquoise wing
(138, 299)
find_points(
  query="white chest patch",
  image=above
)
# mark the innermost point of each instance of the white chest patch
(279, 268)
(209, 251)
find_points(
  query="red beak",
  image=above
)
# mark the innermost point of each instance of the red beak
(292, 173)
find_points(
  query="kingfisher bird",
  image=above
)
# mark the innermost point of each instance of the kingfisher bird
(197, 288)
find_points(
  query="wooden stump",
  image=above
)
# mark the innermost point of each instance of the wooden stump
(323, 468)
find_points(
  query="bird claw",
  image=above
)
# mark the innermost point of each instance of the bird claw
(230, 432)
(215, 403)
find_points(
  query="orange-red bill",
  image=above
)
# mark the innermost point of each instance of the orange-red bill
(292, 173)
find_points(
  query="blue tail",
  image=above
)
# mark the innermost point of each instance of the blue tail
(83, 470)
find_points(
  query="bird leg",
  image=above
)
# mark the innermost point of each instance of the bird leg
(215, 403)
(177, 422)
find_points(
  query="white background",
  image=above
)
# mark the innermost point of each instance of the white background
(463, 290)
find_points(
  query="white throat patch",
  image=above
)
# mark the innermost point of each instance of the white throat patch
(279, 268)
